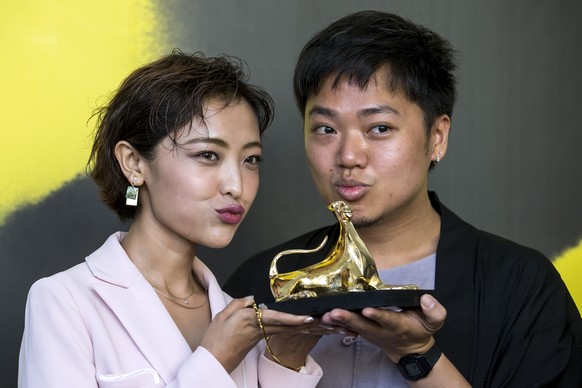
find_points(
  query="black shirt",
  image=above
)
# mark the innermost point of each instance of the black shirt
(511, 321)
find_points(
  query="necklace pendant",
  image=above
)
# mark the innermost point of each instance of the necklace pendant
(185, 301)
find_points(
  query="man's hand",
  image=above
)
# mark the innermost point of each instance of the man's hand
(396, 333)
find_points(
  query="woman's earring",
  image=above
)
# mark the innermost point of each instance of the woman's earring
(132, 193)
(438, 158)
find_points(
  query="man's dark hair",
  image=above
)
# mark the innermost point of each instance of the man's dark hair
(418, 62)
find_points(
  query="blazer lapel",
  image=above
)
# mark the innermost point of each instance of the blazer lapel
(138, 308)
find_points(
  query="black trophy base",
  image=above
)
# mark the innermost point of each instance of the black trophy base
(353, 301)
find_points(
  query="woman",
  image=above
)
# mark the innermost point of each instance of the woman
(177, 152)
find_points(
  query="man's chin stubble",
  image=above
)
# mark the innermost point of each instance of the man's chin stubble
(366, 223)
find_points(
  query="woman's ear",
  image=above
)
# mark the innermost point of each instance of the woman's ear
(129, 162)
(440, 138)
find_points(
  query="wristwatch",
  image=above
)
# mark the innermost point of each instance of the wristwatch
(417, 366)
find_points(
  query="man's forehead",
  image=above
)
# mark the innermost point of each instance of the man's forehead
(381, 78)
(337, 83)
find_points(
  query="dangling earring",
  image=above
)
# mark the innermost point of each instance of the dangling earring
(132, 193)
(438, 158)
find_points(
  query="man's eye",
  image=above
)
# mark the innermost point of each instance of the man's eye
(380, 129)
(324, 130)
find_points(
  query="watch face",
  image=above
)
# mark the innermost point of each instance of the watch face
(413, 370)
(414, 366)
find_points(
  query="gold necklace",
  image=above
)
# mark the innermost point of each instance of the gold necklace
(179, 301)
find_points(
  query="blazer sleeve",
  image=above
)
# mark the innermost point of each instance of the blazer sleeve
(56, 348)
(272, 375)
(202, 370)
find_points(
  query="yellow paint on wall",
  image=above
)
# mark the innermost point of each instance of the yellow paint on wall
(569, 264)
(59, 59)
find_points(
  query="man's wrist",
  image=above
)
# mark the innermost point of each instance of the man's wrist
(416, 366)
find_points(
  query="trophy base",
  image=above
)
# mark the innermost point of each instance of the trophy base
(352, 301)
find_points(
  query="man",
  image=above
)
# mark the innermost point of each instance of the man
(377, 93)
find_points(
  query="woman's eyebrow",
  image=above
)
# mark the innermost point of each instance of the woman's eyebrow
(221, 143)
(208, 140)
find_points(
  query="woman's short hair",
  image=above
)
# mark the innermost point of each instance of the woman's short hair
(158, 100)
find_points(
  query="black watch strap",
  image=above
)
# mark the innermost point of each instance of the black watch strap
(417, 366)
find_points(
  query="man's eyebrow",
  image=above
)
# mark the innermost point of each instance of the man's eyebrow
(378, 109)
(323, 111)
(320, 110)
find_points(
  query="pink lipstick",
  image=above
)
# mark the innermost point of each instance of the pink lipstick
(231, 214)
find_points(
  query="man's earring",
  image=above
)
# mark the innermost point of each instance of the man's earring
(132, 193)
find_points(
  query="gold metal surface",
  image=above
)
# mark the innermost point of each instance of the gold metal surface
(349, 267)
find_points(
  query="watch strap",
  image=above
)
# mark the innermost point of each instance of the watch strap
(417, 366)
(433, 355)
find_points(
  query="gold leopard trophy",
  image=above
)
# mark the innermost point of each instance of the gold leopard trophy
(349, 267)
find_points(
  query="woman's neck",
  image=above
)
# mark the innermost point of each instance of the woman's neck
(165, 262)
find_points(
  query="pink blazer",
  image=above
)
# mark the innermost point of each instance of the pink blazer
(101, 324)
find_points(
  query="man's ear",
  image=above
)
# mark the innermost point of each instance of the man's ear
(440, 138)
(129, 162)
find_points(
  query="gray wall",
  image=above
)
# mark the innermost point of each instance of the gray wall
(512, 166)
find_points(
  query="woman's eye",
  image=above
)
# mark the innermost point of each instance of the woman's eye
(254, 160)
(208, 155)
(324, 130)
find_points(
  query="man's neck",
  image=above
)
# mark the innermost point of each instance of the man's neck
(404, 239)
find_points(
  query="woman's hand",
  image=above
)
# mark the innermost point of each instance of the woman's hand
(290, 347)
(235, 331)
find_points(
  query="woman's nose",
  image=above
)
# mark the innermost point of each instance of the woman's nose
(232, 182)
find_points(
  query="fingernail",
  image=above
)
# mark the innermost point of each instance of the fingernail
(427, 301)
(263, 306)
(249, 300)
(309, 320)
(305, 331)
(326, 327)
